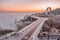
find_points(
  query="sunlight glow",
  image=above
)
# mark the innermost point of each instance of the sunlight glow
(29, 7)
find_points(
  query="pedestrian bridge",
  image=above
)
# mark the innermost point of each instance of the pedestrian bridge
(29, 32)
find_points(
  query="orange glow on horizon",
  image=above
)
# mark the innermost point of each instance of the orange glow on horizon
(24, 9)
(28, 5)
(21, 9)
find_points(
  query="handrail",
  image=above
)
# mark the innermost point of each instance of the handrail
(27, 29)
(28, 35)
(37, 31)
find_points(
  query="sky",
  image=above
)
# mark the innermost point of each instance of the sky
(28, 5)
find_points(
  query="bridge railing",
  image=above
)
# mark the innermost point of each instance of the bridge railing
(34, 36)
(27, 29)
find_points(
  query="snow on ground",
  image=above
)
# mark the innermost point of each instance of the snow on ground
(7, 19)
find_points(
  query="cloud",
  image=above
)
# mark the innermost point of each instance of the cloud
(30, 4)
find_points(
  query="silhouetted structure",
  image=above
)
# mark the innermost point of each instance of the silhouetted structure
(48, 10)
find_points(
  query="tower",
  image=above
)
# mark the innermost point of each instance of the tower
(48, 10)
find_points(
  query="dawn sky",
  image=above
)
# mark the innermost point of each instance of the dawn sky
(28, 5)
